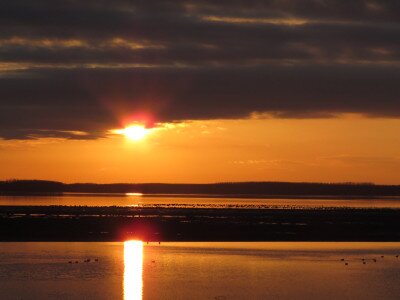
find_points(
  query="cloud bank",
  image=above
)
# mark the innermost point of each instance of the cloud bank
(75, 69)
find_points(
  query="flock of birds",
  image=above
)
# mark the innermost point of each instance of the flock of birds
(88, 260)
(346, 263)
(364, 260)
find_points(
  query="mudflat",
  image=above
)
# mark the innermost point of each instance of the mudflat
(81, 223)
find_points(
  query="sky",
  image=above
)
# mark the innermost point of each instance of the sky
(219, 90)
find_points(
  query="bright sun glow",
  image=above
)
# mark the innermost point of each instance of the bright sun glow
(133, 132)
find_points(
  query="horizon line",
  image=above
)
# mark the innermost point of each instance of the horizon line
(205, 183)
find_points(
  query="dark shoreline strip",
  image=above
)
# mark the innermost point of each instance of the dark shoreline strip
(28, 187)
(64, 223)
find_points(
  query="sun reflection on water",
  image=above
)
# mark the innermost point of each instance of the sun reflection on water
(133, 270)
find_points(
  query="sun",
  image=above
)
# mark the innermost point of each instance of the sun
(133, 132)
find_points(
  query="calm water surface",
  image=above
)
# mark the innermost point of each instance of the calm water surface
(195, 201)
(132, 270)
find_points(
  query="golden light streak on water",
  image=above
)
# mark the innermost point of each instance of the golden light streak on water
(133, 270)
(134, 194)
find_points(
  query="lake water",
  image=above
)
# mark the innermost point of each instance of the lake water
(135, 200)
(134, 270)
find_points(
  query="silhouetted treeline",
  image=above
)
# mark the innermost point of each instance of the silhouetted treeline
(30, 186)
(242, 188)
(229, 188)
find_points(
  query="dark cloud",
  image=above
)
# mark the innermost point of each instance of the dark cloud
(83, 66)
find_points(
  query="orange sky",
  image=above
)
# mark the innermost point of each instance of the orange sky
(280, 91)
(349, 148)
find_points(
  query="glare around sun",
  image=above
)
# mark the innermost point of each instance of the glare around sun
(133, 132)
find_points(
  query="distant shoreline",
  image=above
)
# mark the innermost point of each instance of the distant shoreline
(226, 189)
(232, 196)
